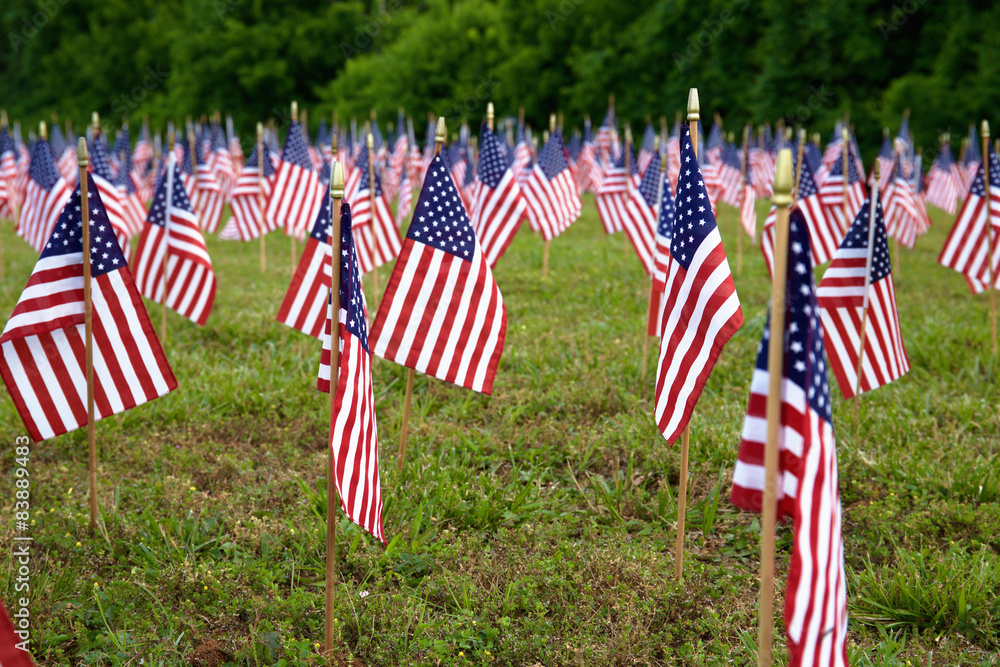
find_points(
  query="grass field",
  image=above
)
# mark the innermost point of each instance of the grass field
(511, 541)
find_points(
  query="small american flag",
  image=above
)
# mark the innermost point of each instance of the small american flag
(588, 172)
(905, 216)
(45, 194)
(220, 162)
(748, 203)
(354, 435)
(701, 310)
(442, 313)
(498, 206)
(640, 217)
(111, 197)
(43, 362)
(611, 197)
(297, 193)
(846, 293)
(967, 246)
(885, 160)
(832, 193)
(245, 222)
(553, 203)
(305, 304)
(209, 195)
(943, 187)
(808, 493)
(8, 170)
(132, 202)
(661, 266)
(172, 225)
(368, 227)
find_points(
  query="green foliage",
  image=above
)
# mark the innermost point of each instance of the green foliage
(752, 61)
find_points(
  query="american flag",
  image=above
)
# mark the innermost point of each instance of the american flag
(368, 228)
(885, 160)
(825, 237)
(607, 138)
(498, 206)
(701, 310)
(612, 197)
(442, 313)
(807, 484)
(43, 343)
(647, 149)
(588, 175)
(395, 172)
(220, 162)
(245, 222)
(844, 296)
(8, 168)
(45, 194)
(904, 219)
(522, 156)
(943, 182)
(297, 193)
(553, 203)
(748, 203)
(173, 226)
(354, 434)
(133, 204)
(661, 266)
(111, 197)
(640, 215)
(967, 246)
(730, 178)
(305, 305)
(973, 158)
(209, 195)
(832, 193)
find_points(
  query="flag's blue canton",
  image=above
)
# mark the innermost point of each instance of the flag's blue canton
(321, 226)
(886, 149)
(57, 140)
(665, 225)
(470, 171)
(857, 239)
(574, 146)
(43, 166)
(99, 160)
(588, 133)
(715, 138)
(813, 156)
(650, 183)
(364, 183)
(7, 143)
(852, 171)
(429, 136)
(322, 134)
(552, 160)
(904, 130)
(807, 182)
(268, 166)
(324, 172)
(218, 138)
(440, 220)
(609, 119)
(67, 236)
(492, 164)
(978, 185)
(730, 155)
(972, 153)
(178, 199)
(186, 165)
(944, 157)
(747, 171)
(805, 361)
(693, 219)
(296, 151)
(352, 298)
(648, 138)
(376, 136)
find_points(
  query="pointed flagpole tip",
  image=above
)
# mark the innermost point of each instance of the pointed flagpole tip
(170, 141)
(95, 118)
(694, 107)
(552, 122)
(370, 142)
(441, 134)
(845, 134)
(628, 134)
(81, 152)
(783, 178)
(337, 180)
(295, 111)
(489, 112)
(984, 129)
(43, 131)
(876, 172)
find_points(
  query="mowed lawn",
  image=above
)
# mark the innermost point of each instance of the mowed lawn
(512, 542)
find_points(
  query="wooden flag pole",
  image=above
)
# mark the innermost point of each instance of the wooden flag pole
(260, 197)
(294, 253)
(171, 161)
(693, 115)
(332, 495)
(775, 368)
(439, 137)
(371, 206)
(88, 327)
(865, 299)
(985, 132)
(545, 250)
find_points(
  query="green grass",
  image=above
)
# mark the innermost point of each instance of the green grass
(511, 540)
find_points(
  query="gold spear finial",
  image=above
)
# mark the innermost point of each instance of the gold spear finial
(82, 159)
(783, 178)
(43, 131)
(489, 115)
(441, 134)
(985, 131)
(552, 123)
(337, 180)
(370, 141)
(694, 108)
(260, 136)
(295, 111)
(628, 134)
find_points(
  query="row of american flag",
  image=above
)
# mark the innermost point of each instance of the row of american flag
(442, 312)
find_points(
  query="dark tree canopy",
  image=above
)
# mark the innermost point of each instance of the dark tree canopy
(752, 60)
